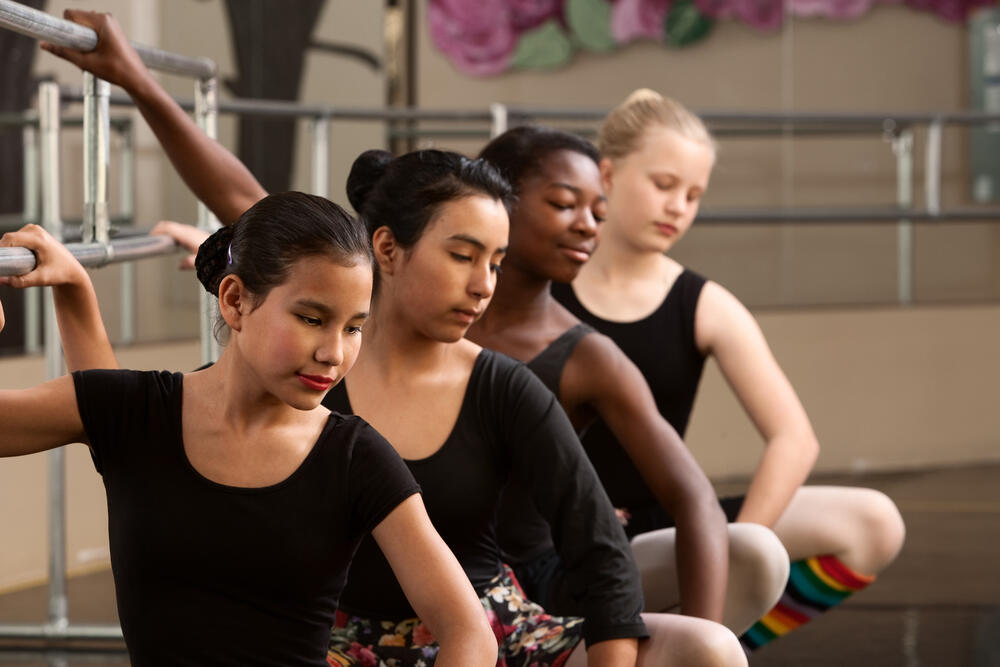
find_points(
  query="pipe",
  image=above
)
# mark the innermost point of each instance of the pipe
(39, 25)
(96, 151)
(320, 173)
(18, 261)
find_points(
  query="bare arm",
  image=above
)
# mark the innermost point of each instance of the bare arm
(727, 330)
(436, 586)
(40, 418)
(187, 236)
(214, 174)
(85, 340)
(601, 376)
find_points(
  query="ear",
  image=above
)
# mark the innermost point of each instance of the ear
(235, 301)
(387, 250)
(607, 168)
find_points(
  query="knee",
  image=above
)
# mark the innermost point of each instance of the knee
(884, 529)
(715, 647)
(758, 562)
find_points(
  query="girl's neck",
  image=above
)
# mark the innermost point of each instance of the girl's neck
(239, 401)
(520, 296)
(616, 261)
(395, 347)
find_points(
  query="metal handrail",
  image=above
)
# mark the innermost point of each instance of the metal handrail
(34, 23)
(18, 261)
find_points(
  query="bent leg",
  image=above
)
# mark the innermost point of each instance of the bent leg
(861, 527)
(758, 570)
(838, 538)
(681, 641)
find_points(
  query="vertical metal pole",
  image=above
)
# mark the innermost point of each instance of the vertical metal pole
(932, 167)
(126, 199)
(206, 110)
(320, 128)
(48, 120)
(96, 151)
(32, 295)
(902, 147)
(498, 125)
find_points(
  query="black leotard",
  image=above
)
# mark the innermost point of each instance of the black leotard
(209, 574)
(663, 347)
(510, 426)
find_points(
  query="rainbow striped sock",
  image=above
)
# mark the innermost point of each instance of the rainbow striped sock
(814, 585)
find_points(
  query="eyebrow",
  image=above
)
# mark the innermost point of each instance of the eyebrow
(473, 241)
(326, 311)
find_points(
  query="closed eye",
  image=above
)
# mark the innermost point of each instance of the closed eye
(460, 257)
(560, 207)
(311, 321)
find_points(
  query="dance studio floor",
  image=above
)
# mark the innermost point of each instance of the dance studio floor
(938, 605)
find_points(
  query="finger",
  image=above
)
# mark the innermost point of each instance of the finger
(188, 262)
(83, 17)
(72, 55)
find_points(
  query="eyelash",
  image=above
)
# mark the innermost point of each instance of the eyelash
(311, 321)
(354, 331)
(495, 268)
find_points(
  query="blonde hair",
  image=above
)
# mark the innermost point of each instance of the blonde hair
(623, 128)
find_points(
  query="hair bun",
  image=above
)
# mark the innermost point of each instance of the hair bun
(367, 170)
(212, 260)
(642, 95)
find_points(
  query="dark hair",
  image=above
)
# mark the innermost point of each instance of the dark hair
(273, 234)
(404, 193)
(518, 152)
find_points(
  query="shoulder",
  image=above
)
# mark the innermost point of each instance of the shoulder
(720, 317)
(110, 382)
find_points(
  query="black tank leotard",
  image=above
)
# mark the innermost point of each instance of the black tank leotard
(662, 346)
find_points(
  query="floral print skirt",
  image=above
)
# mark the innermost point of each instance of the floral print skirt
(526, 635)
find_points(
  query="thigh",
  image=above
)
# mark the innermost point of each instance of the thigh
(655, 554)
(862, 527)
(525, 632)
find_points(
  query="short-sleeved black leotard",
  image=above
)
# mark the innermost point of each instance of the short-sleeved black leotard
(209, 574)
(663, 347)
(510, 426)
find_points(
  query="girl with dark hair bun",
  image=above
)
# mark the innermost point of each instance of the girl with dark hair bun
(217, 476)
(554, 227)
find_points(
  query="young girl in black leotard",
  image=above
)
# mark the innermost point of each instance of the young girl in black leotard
(658, 158)
(553, 230)
(235, 500)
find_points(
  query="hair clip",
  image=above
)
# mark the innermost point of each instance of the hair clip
(229, 253)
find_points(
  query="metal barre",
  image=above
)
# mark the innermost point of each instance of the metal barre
(54, 632)
(33, 23)
(18, 261)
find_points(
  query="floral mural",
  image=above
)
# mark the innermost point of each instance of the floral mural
(486, 38)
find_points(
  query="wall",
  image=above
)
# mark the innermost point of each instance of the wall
(894, 59)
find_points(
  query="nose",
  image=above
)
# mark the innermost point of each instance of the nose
(482, 281)
(677, 202)
(585, 224)
(331, 351)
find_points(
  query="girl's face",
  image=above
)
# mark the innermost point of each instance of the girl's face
(654, 192)
(444, 282)
(559, 209)
(306, 333)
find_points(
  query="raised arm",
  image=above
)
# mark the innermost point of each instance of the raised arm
(40, 418)
(214, 174)
(726, 329)
(436, 586)
(84, 338)
(607, 381)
